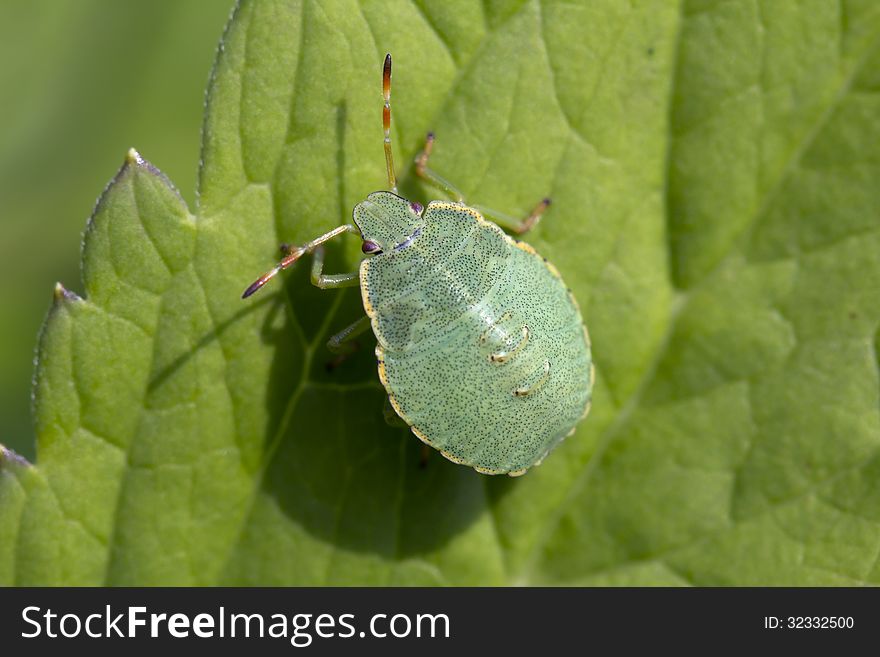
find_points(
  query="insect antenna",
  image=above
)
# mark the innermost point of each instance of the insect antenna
(386, 122)
(295, 254)
(288, 260)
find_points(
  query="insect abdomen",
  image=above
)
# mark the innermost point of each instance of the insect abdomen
(507, 375)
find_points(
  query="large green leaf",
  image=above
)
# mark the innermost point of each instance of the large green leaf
(713, 168)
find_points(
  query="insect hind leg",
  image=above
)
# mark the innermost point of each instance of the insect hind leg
(392, 419)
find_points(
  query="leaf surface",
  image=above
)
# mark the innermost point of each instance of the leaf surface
(713, 172)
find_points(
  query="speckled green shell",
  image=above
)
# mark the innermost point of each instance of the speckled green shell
(481, 347)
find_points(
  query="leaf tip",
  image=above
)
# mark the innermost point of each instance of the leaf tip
(8, 456)
(133, 158)
(61, 293)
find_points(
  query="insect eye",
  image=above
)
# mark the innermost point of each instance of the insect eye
(369, 246)
(416, 207)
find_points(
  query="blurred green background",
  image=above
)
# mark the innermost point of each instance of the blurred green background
(81, 81)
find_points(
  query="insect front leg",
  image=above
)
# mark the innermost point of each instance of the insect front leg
(329, 281)
(342, 344)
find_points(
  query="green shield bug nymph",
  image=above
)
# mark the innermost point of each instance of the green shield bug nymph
(480, 345)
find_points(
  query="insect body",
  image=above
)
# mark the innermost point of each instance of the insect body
(480, 346)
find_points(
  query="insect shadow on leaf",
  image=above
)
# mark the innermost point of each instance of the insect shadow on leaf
(329, 442)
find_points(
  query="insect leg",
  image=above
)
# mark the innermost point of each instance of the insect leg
(338, 343)
(392, 419)
(518, 226)
(343, 344)
(327, 281)
(430, 176)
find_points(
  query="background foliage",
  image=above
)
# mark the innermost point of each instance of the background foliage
(712, 166)
(81, 81)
